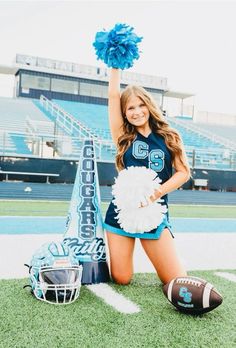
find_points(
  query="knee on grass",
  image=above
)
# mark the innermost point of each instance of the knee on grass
(122, 279)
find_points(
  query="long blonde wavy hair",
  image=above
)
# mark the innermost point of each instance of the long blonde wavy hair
(157, 124)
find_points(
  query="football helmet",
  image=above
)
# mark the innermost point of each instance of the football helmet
(55, 274)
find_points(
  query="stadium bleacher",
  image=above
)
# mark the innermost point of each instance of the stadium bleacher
(16, 115)
(22, 120)
(73, 119)
(93, 115)
(193, 139)
(221, 135)
(95, 118)
(43, 129)
(15, 111)
(19, 144)
(228, 132)
(204, 147)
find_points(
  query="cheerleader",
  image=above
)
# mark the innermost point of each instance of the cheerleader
(144, 142)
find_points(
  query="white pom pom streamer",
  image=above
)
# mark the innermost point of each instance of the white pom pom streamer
(133, 187)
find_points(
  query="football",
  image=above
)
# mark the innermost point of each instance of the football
(192, 295)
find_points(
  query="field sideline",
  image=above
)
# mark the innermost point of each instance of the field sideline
(60, 208)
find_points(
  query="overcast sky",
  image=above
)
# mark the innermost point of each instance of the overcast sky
(192, 43)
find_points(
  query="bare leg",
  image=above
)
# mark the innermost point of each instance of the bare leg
(121, 250)
(163, 256)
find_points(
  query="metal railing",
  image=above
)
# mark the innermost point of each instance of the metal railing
(221, 159)
(63, 138)
(67, 147)
(65, 123)
(65, 120)
(206, 133)
(51, 146)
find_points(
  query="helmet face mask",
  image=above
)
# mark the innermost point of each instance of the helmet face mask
(55, 276)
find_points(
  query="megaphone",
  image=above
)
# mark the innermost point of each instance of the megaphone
(84, 229)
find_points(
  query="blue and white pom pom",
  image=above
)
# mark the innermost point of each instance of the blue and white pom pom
(133, 187)
(117, 48)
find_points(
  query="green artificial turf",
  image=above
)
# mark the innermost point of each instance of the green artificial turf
(55, 208)
(89, 322)
(34, 208)
(202, 211)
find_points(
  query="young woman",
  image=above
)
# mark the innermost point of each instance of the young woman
(143, 138)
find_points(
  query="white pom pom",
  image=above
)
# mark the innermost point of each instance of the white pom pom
(140, 220)
(133, 187)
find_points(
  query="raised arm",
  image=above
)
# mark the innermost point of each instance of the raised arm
(114, 108)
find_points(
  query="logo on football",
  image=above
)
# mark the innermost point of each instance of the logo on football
(192, 295)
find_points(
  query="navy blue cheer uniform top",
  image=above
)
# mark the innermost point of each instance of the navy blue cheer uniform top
(150, 152)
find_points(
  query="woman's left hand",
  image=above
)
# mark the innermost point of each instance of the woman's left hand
(157, 194)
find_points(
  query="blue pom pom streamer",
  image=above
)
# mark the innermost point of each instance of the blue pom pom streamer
(117, 48)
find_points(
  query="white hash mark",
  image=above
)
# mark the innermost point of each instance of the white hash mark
(112, 298)
(226, 275)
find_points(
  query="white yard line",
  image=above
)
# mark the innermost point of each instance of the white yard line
(226, 275)
(112, 298)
